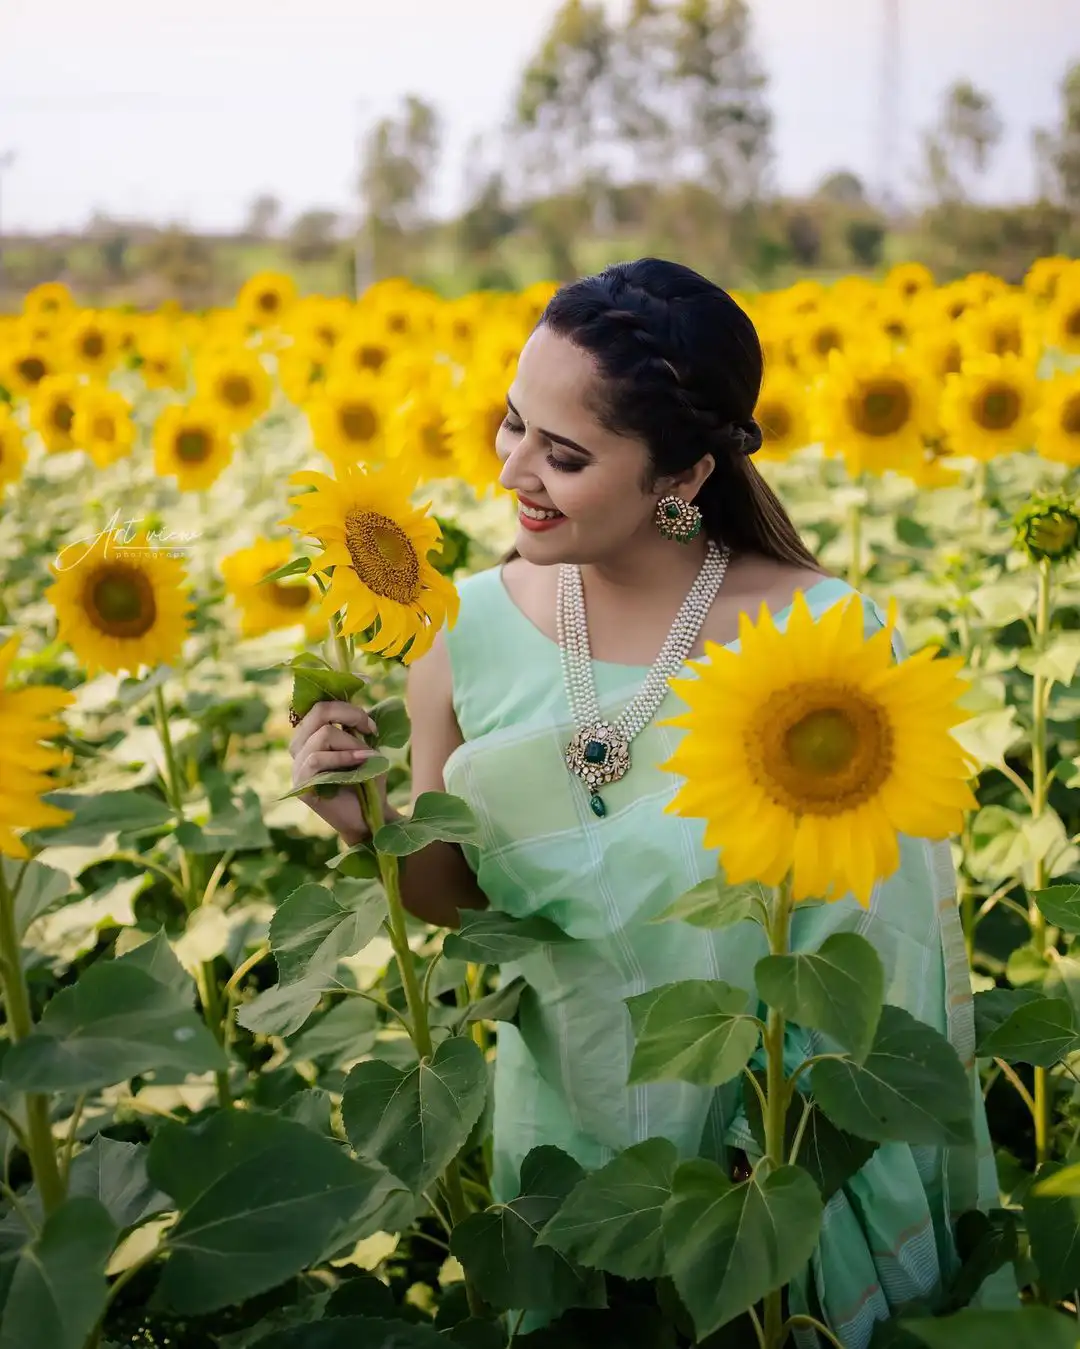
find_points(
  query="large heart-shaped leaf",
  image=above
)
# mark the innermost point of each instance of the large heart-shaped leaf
(285, 1008)
(316, 684)
(696, 1030)
(40, 887)
(912, 1088)
(1052, 1217)
(58, 1287)
(316, 927)
(234, 825)
(96, 817)
(415, 1122)
(611, 1220)
(728, 1245)
(391, 723)
(838, 989)
(1020, 1328)
(488, 937)
(373, 767)
(114, 1173)
(1060, 905)
(713, 904)
(502, 1005)
(260, 1197)
(499, 1251)
(437, 817)
(1034, 1030)
(346, 1032)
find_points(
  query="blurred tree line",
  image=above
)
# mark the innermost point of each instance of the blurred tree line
(650, 132)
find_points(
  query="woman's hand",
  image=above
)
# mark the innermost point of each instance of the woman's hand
(321, 746)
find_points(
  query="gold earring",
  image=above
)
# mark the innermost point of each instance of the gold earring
(678, 519)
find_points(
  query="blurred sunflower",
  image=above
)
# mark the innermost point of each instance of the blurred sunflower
(1003, 326)
(532, 301)
(418, 436)
(875, 408)
(120, 606)
(401, 311)
(808, 750)
(361, 350)
(1057, 421)
(235, 384)
(821, 333)
(302, 368)
(161, 356)
(348, 419)
(51, 301)
(909, 279)
(52, 411)
(27, 717)
(12, 448)
(265, 299)
(782, 414)
(268, 605)
(25, 360)
(192, 444)
(1063, 319)
(377, 550)
(1048, 528)
(938, 350)
(892, 316)
(1042, 277)
(459, 323)
(476, 410)
(90, 342)
(988, 408)
(103, 426)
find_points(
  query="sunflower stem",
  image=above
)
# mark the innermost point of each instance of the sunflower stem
(777, 1090)
(1039, 784)
(38, 1136)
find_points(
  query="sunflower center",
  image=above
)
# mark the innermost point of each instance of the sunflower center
(371, 357)
(1070, 416)
(63, 414)
(236, 390)
(119, 600)
(998, 408)
(950, 359)
(290, 596)
(358, 421)
(382, 556)
(103, 428)
(1072, 322)
(883, 409)
(1005, 341)
(32, 369)
(93, 344)
(1053, 534)
(896, 329)
(193, 446)
(820, 748)
(269, 302)
(435, 441)
(398, 323)
(826, 340)
(775, 419)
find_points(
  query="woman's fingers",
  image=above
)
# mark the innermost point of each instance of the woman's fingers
(322, 714)
(328, 761)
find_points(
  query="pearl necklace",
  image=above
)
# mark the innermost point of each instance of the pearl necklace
(599, 753)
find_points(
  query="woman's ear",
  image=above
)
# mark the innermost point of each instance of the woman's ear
(689, 482)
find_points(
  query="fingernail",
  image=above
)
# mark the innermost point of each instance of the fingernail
(359, 753)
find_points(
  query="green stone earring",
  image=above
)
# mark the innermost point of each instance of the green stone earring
(678, 519)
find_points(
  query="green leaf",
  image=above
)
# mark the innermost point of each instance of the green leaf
(260, 1198)
(830, 1155)
(611, 1220)
(1020, 1328)
(316, 927)
(157, 959)
(392, 723)
(712, 904)
(39, 889)
(285, 1008)
(989, 736)
(697, 1031)
(1061, 906)
(1058, 661)
(116, 1022)
(131, 691)
(488, 937)
(114, 1173)
(502, 1005)
(299, 566)
(728, 1245)
(314, 684)
(346, 1032)
(58, 1288)
(437, 818)
(913, 534)
(985, 1241)
(359, 863)
(232, 826)
(313, 1109)
(415, 1122)
(1005, 601)
(912, 1087)
(1026, 965)
(498, 1247)
(356, 1332)
(838, 989)
(373, 767)
(1040, 1031)
(96, 817)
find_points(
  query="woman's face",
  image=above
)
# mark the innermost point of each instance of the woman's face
(579, 486)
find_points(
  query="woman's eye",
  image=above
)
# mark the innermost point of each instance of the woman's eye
(512, 425)
(565, 465)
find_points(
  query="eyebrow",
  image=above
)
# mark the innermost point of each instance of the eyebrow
(550, 435)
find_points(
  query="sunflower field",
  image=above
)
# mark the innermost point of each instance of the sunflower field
(244, 1097)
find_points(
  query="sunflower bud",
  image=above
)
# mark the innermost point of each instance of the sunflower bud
(1049, 528)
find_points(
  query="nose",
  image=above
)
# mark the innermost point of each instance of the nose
(516, 474)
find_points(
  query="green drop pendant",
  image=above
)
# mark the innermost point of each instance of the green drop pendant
(597, 806)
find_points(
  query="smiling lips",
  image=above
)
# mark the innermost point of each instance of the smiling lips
(537, 518)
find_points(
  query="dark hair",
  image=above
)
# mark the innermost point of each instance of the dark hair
(681, 366)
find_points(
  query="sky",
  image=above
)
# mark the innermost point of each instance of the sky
(184, 110)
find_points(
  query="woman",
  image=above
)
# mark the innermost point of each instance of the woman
(627, 440)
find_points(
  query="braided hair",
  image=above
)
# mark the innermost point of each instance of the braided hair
(681, 368)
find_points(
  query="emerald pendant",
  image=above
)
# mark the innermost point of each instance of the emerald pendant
(597, 806)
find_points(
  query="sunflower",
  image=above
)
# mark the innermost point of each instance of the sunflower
(103, 426)
(418, 435)
(361, 350)
(476, 410)
(875, 407)
(51, 302)
(1063, 319)
(27, 716)
(348, 419)
(90, 342)
(938, 350)
(987, 409)
(12, 449)
(120, 604)
(1002, 327)
(52, 411)
(1044, 275)
(376, 552)
(810, 749)
(1048, 528)
(161, 357)
(820, 334)
(909, 279)
(26, 358)
(302, 369)
(1057, 421)
(235, 384)
(267, 605)
(265, 299)
(782, 414)
(192, 444)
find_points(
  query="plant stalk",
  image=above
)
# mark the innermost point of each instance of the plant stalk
(1036, 917)
(777, 1092)
(40, 1144)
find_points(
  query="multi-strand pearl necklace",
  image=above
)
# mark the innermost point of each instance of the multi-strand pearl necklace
(599, 753)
